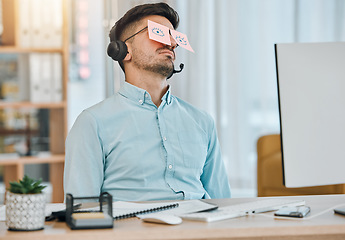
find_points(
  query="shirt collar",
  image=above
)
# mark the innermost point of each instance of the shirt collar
(167, 96)
(140, 95)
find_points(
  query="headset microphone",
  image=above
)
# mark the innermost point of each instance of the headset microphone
(176, 71)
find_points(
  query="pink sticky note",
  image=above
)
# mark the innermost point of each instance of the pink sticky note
(181, 39)
(158, 32)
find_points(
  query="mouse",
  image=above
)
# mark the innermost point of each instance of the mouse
(161, 218)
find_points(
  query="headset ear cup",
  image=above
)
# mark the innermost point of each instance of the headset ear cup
(117, 50)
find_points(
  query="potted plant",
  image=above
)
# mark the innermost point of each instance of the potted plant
(25, 205)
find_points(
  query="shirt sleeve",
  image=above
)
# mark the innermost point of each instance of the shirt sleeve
(84, 159)
(214, 177)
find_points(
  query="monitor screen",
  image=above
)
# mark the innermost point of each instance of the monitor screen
(311, 93)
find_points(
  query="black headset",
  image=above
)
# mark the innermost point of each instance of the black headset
(117, 49)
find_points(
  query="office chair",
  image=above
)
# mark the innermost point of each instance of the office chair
(270, 173)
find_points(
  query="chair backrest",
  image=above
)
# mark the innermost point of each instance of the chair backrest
(270, 173)
(268, 145)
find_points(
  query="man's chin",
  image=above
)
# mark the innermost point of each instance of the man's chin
(164, 70)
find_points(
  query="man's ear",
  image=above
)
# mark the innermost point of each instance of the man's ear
(128, 57)
(129, 53)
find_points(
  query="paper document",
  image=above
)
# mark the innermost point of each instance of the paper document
(121, 208)
(185, 207)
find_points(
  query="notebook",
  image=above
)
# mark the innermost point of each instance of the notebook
(123, 209)
(131, 209)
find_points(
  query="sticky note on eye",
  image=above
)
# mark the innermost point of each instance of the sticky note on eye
(158, 32)
(181, 39)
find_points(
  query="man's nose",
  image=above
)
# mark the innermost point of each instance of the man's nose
(173, 42)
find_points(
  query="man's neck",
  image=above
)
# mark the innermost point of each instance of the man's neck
(154, 84)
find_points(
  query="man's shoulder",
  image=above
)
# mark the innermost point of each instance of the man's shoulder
(103, 106)
(101, 111)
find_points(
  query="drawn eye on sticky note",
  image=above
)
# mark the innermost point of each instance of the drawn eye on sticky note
(181, 39)
(158, 32)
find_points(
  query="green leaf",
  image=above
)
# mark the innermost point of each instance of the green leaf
(26, 186)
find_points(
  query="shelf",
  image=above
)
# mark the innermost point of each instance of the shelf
(58, 158)
(12, 49)
(57, 105)
(4, 132)
(17, 37)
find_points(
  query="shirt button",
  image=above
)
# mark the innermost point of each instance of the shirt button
(146, 95)
(164, 138)
(170, 166)
(141, 101)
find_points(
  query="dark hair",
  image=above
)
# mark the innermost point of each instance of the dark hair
(137, 13)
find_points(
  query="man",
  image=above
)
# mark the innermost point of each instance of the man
(143, 143)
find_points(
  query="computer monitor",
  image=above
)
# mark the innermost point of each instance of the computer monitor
(311, 93)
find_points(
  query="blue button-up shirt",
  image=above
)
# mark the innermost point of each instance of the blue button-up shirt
(128, 147)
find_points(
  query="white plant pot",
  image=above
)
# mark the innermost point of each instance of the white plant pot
(25, 212)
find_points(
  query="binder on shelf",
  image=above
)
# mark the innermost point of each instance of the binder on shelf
(35, 77)
(57, 22)
(40, 23)
(24, 26)
(23, 77)
(36, 23)
(56, 78)
(46, 13)
(46, 76)
(1, 23)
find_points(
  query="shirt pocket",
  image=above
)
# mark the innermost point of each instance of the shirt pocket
(194, 149)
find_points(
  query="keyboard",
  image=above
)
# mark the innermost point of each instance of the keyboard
(243, 209)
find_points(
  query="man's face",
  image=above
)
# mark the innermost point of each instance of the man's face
(150, 55)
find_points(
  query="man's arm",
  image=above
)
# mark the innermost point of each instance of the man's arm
(84, 161)
(214, 177)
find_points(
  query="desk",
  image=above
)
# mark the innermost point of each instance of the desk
(326, 226)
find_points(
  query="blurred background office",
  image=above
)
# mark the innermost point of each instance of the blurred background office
(231, 75)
